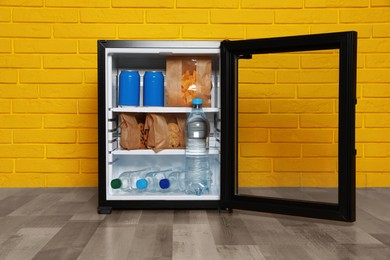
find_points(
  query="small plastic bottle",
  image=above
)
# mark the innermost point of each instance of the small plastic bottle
(156, 181)
(177, 180)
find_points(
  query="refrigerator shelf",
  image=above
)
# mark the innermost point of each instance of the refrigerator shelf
(151, 152)
(167, 197)
(141, 109)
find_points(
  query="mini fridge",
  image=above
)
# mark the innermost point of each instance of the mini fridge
(223, 114)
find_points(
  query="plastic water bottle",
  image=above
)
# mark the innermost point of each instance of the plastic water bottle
(177, 180)
(128, 180)
(156, 181)
(197, 160)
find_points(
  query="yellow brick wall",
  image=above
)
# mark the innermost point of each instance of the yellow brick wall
(48, 85)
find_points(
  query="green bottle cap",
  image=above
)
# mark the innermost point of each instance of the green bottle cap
(116, 183)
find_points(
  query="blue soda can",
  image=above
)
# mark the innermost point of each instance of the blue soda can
(129, 88)
(153, 88)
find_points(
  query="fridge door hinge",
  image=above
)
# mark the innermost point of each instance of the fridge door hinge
(245, 56)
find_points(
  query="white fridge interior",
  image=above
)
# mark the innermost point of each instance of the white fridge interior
(119, 160)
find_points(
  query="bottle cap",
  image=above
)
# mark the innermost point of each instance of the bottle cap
(116, 183)
(164, 184)
(197, 101)
(141, 184)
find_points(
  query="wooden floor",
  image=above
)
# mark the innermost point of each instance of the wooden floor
(63, 224)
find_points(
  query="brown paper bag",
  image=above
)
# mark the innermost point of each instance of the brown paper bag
(166, 131)
(188, 78)
(133, 132)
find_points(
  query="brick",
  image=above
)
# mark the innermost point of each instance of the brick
(45, 15)
(76, 151)
(287, 179)
(337, 3)
(306, 16)
(376, 90)
(102, 31)
(20, 121)
(20, 61)
(254, 164)
(207, 4)
(275, 30)
(51, 76)
(378, 3)
(305, 164)
(318, 91)
(89, 165)
(270, 150)
(266, 91)
(319, 150)
(5, 46)
(18, 91)
(5, 15)
(77, 3)
(5, 136)
(108, 15)
(301, 136)
(25, 30)
(253, 106)
(307, 76)
(217, 32)
(256, 76)
(361, 180)
(314, 121)
(380, 31)
(376, 150)
(88, 46)
(70, 121)
(44, 136)
(146, 3)
(374, 45)
(87, 136)
(363, 30)
(177, 16)
(21, 151)
(373, 165)
(8, 76)
(271, 61)
(85, 61)
(45, 46)
(377, 119)
(366, 15)
(90, 76)
(71, 180)
(372, 135)
(315, 179)
(302, 106)
(6, 165)
(259, 120)
(286, 4)
(21, 3)
(68, 90)
(22, 180)
(87, 106)
(252, 135)
(378, 180)
(373, 106)
(5, 106)
(46, 165)
(378, 61)
(43, 106)
(148, 31)
(242, 16)
(320, 61)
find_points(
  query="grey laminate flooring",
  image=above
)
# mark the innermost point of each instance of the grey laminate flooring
(63, 224)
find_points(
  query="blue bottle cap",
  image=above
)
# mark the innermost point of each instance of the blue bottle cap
(141, 184)
(164, 184)
(197, 101)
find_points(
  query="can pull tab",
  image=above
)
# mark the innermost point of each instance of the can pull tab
(245, 56)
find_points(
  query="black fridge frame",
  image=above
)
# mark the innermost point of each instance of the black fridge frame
(231, 51)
